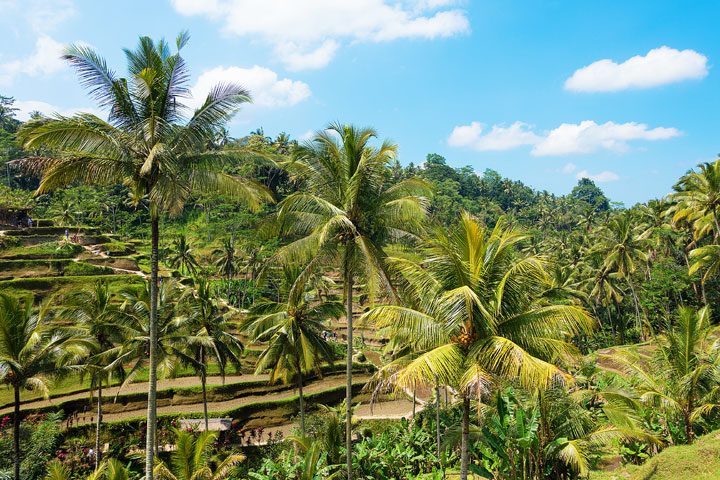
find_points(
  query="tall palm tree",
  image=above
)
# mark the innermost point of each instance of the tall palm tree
(682, 380)
(213, 337)
(181, 256)
(478, 313)
(697, 200)
(346, 214)
(190, 460)
(31, 352)
(622, 247)
(605, 290)
(97, 317)
(146, 144)
(174, 336)
(226, 260)
(293, 332)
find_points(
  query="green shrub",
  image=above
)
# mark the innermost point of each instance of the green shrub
(40, 439)
(81, 268)
(42, 250)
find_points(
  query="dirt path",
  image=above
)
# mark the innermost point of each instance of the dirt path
(215, 408)
(392, 410)
(139, 387)
(97, 251)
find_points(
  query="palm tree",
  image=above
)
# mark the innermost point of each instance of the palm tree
(31, 351)
(682, 379)
(112, 469)
(146, 144)
(226, 260)
(697, 200)
(346, 214)
(293, 332)
(181, 257)
(212, 336)
(623, 246)
(98, 318)
(705, 258)
(477, 313)
(174, 337)
(190, 460)
(606, 292)
(65, 213)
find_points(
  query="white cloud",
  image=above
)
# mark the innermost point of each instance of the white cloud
(44, 60)
(659, 66)
(602, 177)
(26, 107)
(568, 168)
(295, 58)
(306, 35)
(265, 87)
(41, 15)
(567, 139)
(588, 137)
(498, 138)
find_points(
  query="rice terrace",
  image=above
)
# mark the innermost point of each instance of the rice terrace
(367, 239)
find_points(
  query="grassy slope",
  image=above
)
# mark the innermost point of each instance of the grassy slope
(699, 461)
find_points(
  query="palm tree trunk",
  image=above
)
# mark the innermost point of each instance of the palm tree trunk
(16, 432)
(464, 447)
(414, 399)
(97, 425)
(203, 381)
(229, 280)
(349, 362)
(151, 429)
(621, 324)
(437, 418)
(687, 412)
(637, 308)
(302, 402)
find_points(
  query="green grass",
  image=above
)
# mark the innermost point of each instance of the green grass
(42, 250)
(8, 265)
(117, 248)
(59, 284)
(81, 268)
(699, 461)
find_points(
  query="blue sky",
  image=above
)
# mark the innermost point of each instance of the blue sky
(542, 91)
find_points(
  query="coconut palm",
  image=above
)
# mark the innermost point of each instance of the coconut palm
(346, 214)
(606, 291)
(477, 313)
(705, 258)
(682, 379)
(293, 331)
(31, 352)
(226, 260)
(190, 460)
(181, 256)
(173, 334)
(97, 317)
(146, 144)
(622, 247)
(213, 337)
(697, 200)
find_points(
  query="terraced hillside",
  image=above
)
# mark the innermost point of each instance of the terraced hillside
(43, 262)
